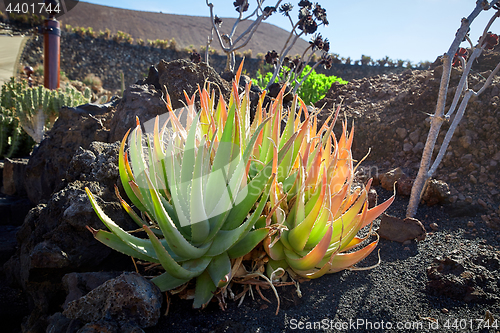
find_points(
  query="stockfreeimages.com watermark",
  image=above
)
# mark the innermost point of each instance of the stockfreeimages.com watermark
(361, 324)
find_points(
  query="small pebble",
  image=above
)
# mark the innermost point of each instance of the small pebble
(470, 224)
(406, 248)
(264, 306)
(434, 226)
(444, 310)
(407, 242)
(482, 203)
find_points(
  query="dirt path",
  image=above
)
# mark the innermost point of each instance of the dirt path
(9, 49)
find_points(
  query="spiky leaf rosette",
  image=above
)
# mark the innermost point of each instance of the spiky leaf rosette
(315, 214)
(194, 188)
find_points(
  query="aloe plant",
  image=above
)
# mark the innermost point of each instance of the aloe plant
(315, 215)
(200, 204)
(214, 185)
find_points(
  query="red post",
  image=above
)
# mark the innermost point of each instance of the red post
(51, 53)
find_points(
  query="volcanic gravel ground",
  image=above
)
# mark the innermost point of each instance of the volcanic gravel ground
(389, 298)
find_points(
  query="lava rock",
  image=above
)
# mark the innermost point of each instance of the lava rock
(181, 75)
(404, 186)
(54, 239)
(13, 176)
(388, 179)
(79, 284)
(436, 192)
(75, 127)
(129, 298)
(372, 198)
(152, 78)
(466, 279)
(139, 101)
(401, 230)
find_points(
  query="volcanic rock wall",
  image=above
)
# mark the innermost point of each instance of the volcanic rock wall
(391, 115)
(81, 56)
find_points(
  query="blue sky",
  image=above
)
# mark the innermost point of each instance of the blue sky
(417, 30)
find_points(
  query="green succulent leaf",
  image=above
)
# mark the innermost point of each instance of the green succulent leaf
(220, 269)
(174, 238)
(166, 281)
(205, 289)
(113, 241)
(171, 265)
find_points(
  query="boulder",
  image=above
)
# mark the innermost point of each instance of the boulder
(401, 230)
(54, 239)
(388, 179)
(436, 192)
(127, 299)
(181, 75)
(13, 176)
(79, 284)
(139, 101)
(75, 127)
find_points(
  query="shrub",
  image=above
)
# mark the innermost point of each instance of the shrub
(365, 60)
(107, 34)
(123, 37)
(173, 44)
(90, 32)
(80, 31)
(312, 90)
(93, 81)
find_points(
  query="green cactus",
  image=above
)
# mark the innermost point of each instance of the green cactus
(11, 138)
(33, 110)
(38, 108)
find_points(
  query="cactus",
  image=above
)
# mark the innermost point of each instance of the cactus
(122, 80)
(11, 138)
(37, 108)
(33, 110)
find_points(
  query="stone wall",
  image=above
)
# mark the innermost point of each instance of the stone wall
(81, 56)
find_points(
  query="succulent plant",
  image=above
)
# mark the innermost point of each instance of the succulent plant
(37, 108)
(201, 205)
(315, 216)
(32, 110)
(212, 190)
